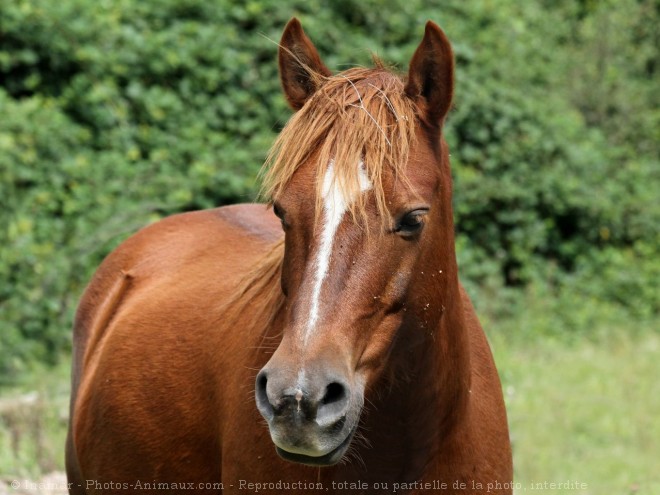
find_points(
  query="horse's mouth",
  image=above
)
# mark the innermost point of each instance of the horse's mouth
(332, 457)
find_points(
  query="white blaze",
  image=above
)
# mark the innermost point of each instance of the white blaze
(335, 205)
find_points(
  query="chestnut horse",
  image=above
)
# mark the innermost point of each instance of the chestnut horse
(338, 311)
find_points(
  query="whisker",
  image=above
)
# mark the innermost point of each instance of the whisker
(371, 403)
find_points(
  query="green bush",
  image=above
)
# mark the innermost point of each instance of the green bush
(114, 114)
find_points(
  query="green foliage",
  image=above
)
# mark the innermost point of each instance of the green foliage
(116, 113)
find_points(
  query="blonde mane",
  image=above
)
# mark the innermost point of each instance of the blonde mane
(359, 115)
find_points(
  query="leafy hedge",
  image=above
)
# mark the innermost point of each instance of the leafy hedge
(116, 113)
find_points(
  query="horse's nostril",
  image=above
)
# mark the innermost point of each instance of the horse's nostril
(334, 392)
(333, 405)
(261, 395)
(262, 381)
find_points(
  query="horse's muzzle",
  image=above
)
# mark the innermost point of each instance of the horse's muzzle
(311, 421)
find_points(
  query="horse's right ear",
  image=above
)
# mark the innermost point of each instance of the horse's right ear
(301, 69)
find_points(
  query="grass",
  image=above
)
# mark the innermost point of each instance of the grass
(584, 412)
(581, 411)
(33, 422)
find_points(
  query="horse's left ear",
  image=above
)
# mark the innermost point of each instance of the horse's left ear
(300, 65)
(431, 75)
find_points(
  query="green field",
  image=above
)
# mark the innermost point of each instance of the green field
(33, 421)
(581, 412)
(584, 412)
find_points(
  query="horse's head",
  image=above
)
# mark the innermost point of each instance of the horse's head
(359, 178)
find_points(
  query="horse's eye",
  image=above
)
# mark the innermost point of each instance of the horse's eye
(411, 223)
(279, 213)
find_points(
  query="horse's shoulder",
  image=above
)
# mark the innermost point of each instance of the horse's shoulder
(180, 251)
(202, 234)
(223, 224)
(255, 220)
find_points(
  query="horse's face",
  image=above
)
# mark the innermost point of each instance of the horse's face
(348, 278)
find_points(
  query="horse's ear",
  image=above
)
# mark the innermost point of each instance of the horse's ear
(301, 69)
(431, 75)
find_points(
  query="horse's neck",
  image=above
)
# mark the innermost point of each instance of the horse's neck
(428, 386)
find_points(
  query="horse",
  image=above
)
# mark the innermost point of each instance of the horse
(320, 341)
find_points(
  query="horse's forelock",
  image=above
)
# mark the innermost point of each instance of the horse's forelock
(359, 115)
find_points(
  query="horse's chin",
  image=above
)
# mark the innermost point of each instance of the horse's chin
(332, 457)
